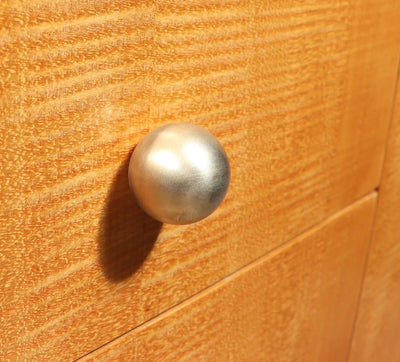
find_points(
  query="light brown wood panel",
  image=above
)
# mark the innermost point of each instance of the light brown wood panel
(295, 304)
(377, 331)
(298, 92)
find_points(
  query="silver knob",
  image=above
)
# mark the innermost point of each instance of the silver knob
(179, 173)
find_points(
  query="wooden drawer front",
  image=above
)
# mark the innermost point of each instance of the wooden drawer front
(296, 304)
(299, 93)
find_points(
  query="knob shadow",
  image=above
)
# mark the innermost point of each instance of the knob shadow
(127, 234)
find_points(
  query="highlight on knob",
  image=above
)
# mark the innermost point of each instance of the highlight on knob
(179, 173)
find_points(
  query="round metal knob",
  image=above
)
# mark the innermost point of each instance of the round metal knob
(179, 173)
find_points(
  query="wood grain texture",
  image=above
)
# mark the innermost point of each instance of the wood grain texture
(377, 331)
(298, 92)
(295, 304)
